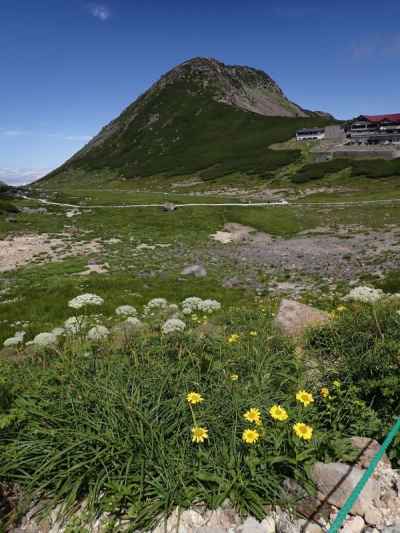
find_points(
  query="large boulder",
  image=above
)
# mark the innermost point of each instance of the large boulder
(294, 318)
(336, 481)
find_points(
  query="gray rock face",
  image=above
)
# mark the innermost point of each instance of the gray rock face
(198, 271)
(294, 318)
(336, 481)
(368, 448)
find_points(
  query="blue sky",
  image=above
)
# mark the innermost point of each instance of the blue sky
(70, 66)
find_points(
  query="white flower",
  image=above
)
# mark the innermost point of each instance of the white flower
(155, 303)
(173, 325)
(45, 339)
(365, 295)
(126, 310)
(209, 306)
(75, 324)
(17, 339)
(98, 333)
(134, 322)
(58, 332)
(85, 299)
(193, 304)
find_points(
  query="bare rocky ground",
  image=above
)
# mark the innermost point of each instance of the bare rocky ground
(335, 254)
(21, 250)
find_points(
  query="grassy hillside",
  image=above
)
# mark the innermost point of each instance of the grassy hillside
(373, 168)
(192, 135)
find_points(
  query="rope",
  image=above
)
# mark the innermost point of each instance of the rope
(341, 516)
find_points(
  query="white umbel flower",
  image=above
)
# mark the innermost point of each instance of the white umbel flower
(155, 305)
(85, 299)
(209, 306)
(58, 332)
(17, 339)
(193, 304)
(75, 324)
(173, 325)
(365, 295)
(45, 339)
(98, 333)
(133, 321)
(126, 310)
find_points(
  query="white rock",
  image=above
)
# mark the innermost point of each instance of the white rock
(17, 339)
(251, 525)
(373, 517)
(98, 333)
(355, 524)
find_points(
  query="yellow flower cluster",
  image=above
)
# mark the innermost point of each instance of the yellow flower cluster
(303, 431)
(250, 436)
(234, 338)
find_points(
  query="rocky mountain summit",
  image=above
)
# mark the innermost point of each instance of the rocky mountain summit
(191, 119)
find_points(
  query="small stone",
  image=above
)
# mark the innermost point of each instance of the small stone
(373, 517)
(268, 525)
(251, 525)
(198, 271)
(355, 524)
(168, 207)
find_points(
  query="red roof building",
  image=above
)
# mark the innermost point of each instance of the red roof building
(381, 118)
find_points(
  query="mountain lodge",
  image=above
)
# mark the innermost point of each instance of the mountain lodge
(374, 129)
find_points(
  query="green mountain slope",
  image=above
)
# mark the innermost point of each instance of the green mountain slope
(202, 118)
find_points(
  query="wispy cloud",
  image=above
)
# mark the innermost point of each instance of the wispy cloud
(61, 136)
(378, 46)
(14, 133)
(22, 176)
(100, 11)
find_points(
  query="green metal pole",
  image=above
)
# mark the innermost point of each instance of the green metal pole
(341, 516)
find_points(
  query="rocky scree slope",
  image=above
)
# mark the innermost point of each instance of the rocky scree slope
(201, 117)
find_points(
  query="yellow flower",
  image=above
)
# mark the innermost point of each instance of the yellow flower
(341, 308)
(325, 392)
(253, 333)
(194, 397)
(303, 431)
(199, 434)
(278, 413)
(250, 436)
(304, 397)
(234, 377)
(233, 338)
(253, 415)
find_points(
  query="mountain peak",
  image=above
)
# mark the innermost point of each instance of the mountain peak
(200, 116)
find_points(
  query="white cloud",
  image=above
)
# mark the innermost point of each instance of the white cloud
(100, 11)
(22, 176)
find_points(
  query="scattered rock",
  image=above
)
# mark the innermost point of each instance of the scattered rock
(355, 524)
(168, 207)
(336, 481)
(198, 271)
(294, 318)
(368, 448)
